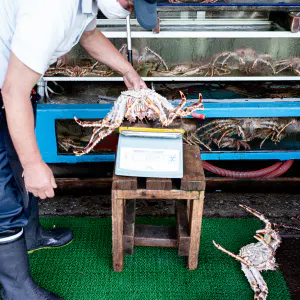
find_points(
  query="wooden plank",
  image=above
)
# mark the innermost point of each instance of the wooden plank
(193, 178)
(196, 212)
(280, 184)
(117, 232)
(158, 184)
(289, 21)
(129, 227)
(152, 195)
(156, 236)
(182, 226)
(71, 184)
(124, 183)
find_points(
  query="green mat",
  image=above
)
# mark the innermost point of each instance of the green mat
(83, 270)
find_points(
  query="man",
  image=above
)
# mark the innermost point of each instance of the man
(33, 34)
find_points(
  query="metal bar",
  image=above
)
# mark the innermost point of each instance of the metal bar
(203, 34)
(211, 110)
(201, 79)
(249, 155)
(129, 44)
(243, 100)
(164, 22)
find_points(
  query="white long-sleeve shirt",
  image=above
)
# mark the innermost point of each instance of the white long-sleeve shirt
(40, 31)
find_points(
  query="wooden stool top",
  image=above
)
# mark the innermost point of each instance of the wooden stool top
(193, 176)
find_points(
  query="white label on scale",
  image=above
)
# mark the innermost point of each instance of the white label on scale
(151, 160)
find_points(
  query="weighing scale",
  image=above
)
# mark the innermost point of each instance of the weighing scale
(149, 152)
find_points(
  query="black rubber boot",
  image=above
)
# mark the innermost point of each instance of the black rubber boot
(15, 275)
(38, 238)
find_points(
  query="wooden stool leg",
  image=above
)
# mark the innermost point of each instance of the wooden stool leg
(129, 227)
(117, 232)
(196, 211)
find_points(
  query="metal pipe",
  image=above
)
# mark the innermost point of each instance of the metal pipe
(273, 171)
(129, 44)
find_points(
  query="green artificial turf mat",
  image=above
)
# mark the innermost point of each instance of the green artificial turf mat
(83, 270)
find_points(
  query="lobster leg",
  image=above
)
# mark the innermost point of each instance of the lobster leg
(283, 128)
(261, 283)
(102, 134)
(252, 280)
(158, 110)
(265, 62)
(237, 257)
(87, 123)
(258, 215)
(176, 111)
(197, 105)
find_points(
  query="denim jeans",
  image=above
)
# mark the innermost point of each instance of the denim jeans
(14, 199)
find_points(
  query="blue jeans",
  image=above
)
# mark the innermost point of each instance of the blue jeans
(14, 199)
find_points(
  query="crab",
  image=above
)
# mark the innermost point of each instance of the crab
(290, 63)
(78, 71)
(67, 144)
(245, 60)
(145, 59)
(152, 60)
(220, 131)
(257, 257)
(133, 105)
(229, 142)
(181, 70)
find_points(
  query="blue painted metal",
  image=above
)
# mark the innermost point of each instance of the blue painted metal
(46, 135)
(48, 113)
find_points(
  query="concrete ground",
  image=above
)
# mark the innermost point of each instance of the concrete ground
(279, 208)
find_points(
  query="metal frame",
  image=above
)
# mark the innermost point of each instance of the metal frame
(288, 7)
(48, 113)
(203, 34)
(184, 21)
(181, 79)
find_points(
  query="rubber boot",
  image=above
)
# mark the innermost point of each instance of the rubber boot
(38, 238)
(14, 271)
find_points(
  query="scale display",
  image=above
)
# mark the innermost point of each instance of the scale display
(150, 156)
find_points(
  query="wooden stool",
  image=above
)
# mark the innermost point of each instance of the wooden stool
(186, 235)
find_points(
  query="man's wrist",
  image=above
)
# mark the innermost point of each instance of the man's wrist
(126, 69)
(32, 161)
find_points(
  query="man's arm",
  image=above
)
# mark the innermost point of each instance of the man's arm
(20, 119)
(99, 47)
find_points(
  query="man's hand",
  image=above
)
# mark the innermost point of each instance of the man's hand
(39, 180)
(133, 80)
